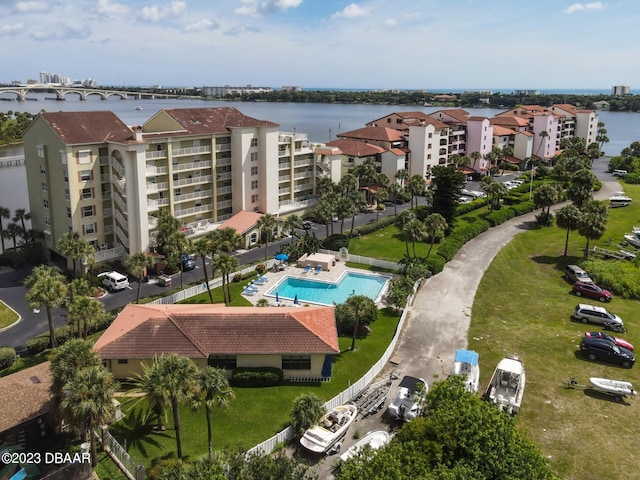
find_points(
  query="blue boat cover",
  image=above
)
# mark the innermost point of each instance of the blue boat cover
(467, 356)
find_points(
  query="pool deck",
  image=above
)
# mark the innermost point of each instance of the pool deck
(296, 272)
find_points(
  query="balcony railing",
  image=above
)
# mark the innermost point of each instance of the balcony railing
(122, 236)
(223, 190)
(120, 202)
(118, 216)
(155, 154)
(118, 168)
(308, 174)
(107, 212)
(223, 147)
(185, 212)
(191, 196)
(153, 205)
(284, 178)
(303, 163)
(156, 187)
(192, 166)
(282, 166)
(193, 180)
(223, 162)
(225, 204)
(191, 150)
(156, 170)
(152, 221)
(104, 160)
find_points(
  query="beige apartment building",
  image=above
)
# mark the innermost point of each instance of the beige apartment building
(90, 173)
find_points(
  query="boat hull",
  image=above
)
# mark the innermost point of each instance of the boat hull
(330, 429)
(613, 387)
(507, 385)
(373, 440)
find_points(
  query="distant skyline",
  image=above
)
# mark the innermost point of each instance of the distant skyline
(376, 44)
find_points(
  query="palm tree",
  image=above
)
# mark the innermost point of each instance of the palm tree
(359, 204)
(214, 391)
(20, 216)
(323, 212)
(475, 156)
(545, 196)
(414, 231)
(379, 197)
(87, 403)
(229, 239)
(79, 287)
(415, 187)
(266, 224)
(593, 222)
(394, 190)
(49, 288)
(568, 217)
(362, 310)
(138, 264)
(543, 135)
(71, 244)
(4, 213)
(406, 217)
(14, 231)
(402, 175)
(149, 385)
(226, 264)
(436, 225)
(178, 380)
(291, 224)
(201, 248)
(82, 310)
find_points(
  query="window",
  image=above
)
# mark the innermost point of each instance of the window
(67, 194)
(296, 362)
(45, 203)
(43, 170)
(87, 193)
(254, 184)
(66, 175)
(226, 362)
(175, 177)
(84, 156)
(177, 192)
(254, 238)
(48, 238)
(40, 151)
(63, 157)
(89, 229)
(47, 221)
(123, 361)
(85, 175)
(254, 198)
(254, 157)
(430, 135)
(68, 212)
(254, 170)
(70, 228)
(254, 142)
(87, 211)
(44, 187)
(398, 120)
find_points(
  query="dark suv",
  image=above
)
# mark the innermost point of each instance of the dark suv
(605, 351)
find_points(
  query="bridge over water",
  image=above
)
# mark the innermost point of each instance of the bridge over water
(21, 91)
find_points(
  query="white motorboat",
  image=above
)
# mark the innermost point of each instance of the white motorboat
(466, 365)
(409, 402)
(613, 387)
(331, 428)
(619, 199)
(507, 385)
(633, 238)
(373, 440)
(139, 107)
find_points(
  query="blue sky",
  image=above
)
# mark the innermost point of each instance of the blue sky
(422, 44)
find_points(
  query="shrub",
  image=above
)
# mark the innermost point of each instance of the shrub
(471, 230)
(523, 207)
(336, 242)
(7, 357)
(633, 178)
(435, 263)
(374, 226)
(449, 247)
(498, 217)
(237, 277)
(618, 276)
(471, 206)
(544, 219)
(253, 377)
(38, 344)
(260, 268)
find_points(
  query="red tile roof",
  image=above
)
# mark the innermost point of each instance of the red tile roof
(242, 222)
(356, 148)
(212, 120)
(502, 131)
(24, 395)
(456, 113)
(78, 128)
(509, 120)
(196, 331)
(374, 133)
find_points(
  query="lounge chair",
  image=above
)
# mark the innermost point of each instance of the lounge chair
(251, 287)
(318, 269)
(248, 292)
(258, 281)
(262, 278)
(306, 269)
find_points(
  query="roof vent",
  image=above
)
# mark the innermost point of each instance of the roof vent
(35, 379)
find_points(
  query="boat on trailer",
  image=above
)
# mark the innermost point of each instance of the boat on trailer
(331, 428)
(619, 199)
(466, 365)
(409, 401)
(506, 388)
(634, 237)
(373, 440)
(612, 387)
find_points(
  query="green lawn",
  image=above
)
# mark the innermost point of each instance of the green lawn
(255, 414)
(585, 436)
(7, 316)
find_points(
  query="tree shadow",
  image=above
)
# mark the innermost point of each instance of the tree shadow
(136, 430)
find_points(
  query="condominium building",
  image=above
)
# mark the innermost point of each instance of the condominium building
(620, 90)
(90, 173)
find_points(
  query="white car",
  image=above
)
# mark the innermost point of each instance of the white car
(600, 315)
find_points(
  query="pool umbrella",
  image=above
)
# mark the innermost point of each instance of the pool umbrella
(295, 300)
(281, 256)
(277, 298)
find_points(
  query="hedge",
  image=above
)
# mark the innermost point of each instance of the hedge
(374, 226)
(7, 357)
(38, 344)
(523, 208)
(498, 217)
(449, 247)
(465, 208)
(257, 377)
(435, 263)
(471, 230)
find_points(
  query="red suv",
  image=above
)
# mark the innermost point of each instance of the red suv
(591, 290)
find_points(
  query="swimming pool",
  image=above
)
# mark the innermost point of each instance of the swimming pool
(328, 293)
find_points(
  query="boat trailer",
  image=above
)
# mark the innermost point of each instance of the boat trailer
(371, 399)
(574, 385)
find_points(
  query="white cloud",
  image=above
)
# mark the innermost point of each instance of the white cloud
(578, 7)
(11, 29)
(27, 7)
(61, 31)
(391, 22)
(106, 7)
(351, 11)
(240, 29)
(266, 7)
(201, 25)
(155, 13)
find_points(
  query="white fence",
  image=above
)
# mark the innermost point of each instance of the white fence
(374, 262)
(287, 434)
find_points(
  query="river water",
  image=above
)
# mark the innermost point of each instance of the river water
(320, 121)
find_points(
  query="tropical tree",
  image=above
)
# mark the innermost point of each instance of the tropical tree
(402, 220)
(593, 222)
(87, 403)
(568, 217)
(71, 244)
(379, 197)
(291, 225)
(415, 187)
(214, 391)
(324, 211)
(46, 286)
(201, 248)
(581, 185)
(4, 213)
(601, 135)
(543, 136)
(83, 310)
(414, 231)
(226, 264)
(435, 225)
(229, 240)
(358, 205)
(138, 263)
(355, 311)
(366, 173)
(14, 231)
(402, 176)
(400, 288)
(178, 380)
(306, 410)
(21, 215)
(266, 224)
(394, 190)
(149, 385)
(545, 196)
(170, 239)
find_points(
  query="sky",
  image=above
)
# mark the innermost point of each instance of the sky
(369, 44)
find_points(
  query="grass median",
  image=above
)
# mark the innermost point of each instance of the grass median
(7, 315)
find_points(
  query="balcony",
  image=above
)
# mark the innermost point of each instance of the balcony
(107, 212)
(223, 190)
(285, 165)
(308, 174)
(152, 221)
(120, 218)
(223, 162)
(151, 171)
(185, 212)
(122, 236)
(108, 229)
(118, 167)
(224, 204)
(156, 187)
(224, 176)
(191, 196)
(104, 160)
(303, 163)
(120, 202)
(287, 137)
(180, 167)
(153, 205)
(223, 147)
(191, 150)
(193, 180)
(284, 153)
(284, 178)
(151, 154)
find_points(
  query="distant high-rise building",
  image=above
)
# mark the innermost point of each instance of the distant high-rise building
(620, 90)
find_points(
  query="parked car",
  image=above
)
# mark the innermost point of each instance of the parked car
(621, 342)
(605, 351)
(600, 315)
(306, 224)
(576, 274)
(188, 262)
(591, 290)
(619, 173)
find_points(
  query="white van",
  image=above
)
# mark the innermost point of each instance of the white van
(114, 281)
(620, 173)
